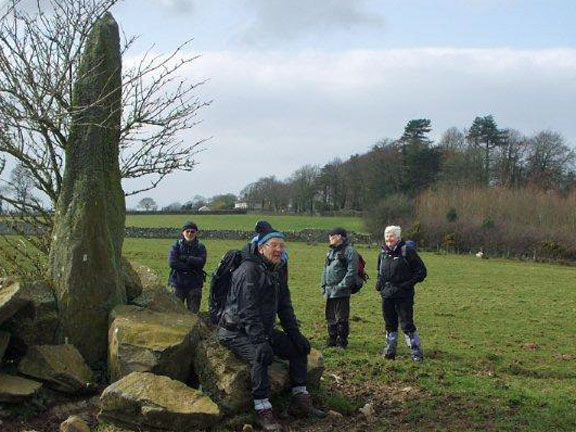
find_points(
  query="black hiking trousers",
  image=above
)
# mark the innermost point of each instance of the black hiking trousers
(399, 309)
(283, 347)
(337, 313)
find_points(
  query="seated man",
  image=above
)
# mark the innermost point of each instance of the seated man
(259, 293)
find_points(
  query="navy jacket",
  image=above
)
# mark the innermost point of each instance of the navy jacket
(399, 270)
(187, 260)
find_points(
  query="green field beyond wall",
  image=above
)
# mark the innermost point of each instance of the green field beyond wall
(498, 337)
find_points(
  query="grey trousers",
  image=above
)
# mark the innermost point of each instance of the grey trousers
(283, 347)
(192, 298)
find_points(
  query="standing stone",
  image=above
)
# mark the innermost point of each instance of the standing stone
(90, 214)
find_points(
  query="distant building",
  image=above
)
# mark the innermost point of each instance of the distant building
(241, 205)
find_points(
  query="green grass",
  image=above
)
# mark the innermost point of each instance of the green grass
(246, 222)
(498, 338)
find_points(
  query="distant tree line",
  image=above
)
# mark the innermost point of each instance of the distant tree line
(482, 155)
(217, 202)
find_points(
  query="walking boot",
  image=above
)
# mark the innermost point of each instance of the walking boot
(332, 340)
(343, 331)
(413, 341)
(391, 343)
(301, 406)
(266, 420)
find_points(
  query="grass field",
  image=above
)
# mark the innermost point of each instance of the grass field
(498, 338)
(246, 222)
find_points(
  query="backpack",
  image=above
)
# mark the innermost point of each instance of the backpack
(362, 275)
(220, 283)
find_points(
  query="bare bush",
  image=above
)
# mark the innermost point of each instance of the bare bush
(40, 50)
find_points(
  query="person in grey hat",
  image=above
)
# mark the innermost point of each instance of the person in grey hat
(187, 259)
(338, 279)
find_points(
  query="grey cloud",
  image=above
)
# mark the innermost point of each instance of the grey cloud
(280, 19)
(178, 6)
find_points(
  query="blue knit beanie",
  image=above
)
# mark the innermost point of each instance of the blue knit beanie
(264, 237)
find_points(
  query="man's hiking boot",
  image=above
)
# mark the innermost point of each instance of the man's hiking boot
(332, 336)
(301, 406)
(342, 343)
(391, 343)
(266, 420)
(413, 342)
(331, 342)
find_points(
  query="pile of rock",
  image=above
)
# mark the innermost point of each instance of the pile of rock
(159, 356)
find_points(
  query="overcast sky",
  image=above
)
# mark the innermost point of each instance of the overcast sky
(304, 81)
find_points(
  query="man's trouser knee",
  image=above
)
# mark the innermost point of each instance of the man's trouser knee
(337, 311)
(192, 298)
(282, 346)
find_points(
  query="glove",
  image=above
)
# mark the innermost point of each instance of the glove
(264, 353)
(378, 286)
(406, 285)
(300, 342)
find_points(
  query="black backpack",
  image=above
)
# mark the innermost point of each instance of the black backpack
(220, 283)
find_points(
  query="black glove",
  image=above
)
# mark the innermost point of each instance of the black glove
(264, 353)
(378, 286)
(300, 342)
(406, 285)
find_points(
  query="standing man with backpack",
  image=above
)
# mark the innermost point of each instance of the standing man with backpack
(187, 259)
(399, 269)
(258, 294)
(339, 281)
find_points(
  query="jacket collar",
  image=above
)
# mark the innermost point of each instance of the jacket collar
(397, 251)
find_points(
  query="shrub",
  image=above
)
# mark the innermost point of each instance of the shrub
(451, 215)
(488, 222)
(395, 209)
(521, 222)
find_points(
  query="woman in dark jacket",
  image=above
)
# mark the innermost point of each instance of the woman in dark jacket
(187, 260)
(399, 269)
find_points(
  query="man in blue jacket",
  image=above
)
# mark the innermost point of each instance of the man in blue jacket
(187, 260)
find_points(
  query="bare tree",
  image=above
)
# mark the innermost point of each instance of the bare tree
(147, 204)
(40, 50)
(549, 159)
(304, 188)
